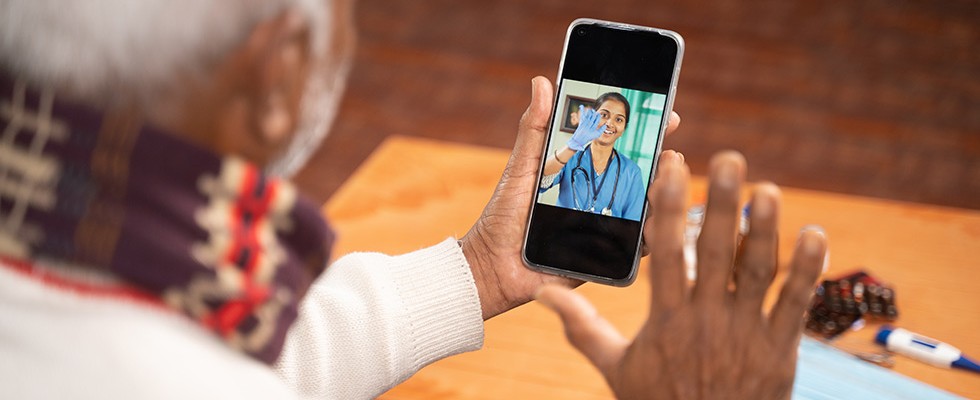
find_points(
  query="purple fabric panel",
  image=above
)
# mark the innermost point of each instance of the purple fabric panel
(311, 240)
(75, 187)
(161, 198)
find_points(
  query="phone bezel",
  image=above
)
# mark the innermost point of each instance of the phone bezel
(668, 107)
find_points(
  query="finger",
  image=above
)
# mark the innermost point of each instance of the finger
(587, 116)
(594, 119)
(656, 172)
(535, 118)
(600, 130)
(664, 231)
(716, 243)
(673, 121)
(757, 263)
(646, 249)
(787, 315)
(585, 329)
(533, 127)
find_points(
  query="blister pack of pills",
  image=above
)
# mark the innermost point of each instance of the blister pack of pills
(841, 303)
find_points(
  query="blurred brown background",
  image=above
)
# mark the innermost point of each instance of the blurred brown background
(875, 98)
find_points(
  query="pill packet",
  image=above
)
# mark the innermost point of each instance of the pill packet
(845, 302)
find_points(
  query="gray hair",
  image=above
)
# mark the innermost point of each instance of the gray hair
(106, 50)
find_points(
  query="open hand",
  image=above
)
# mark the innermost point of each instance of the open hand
(588, 129)
(709, 342)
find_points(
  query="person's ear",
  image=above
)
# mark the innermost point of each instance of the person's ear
(278, 55)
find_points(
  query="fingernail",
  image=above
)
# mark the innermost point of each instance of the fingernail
(814, 245)
(826, 261)
(763, 203)
(809, 243)
(681, 157)
(814, 228)
(727, 173)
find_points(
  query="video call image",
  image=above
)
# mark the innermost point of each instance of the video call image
(602, 147)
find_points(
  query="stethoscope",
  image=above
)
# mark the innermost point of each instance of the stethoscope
(596, 190)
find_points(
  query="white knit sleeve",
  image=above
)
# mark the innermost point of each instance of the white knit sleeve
(372, 320)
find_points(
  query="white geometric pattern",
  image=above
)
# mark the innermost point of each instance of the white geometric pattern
(28, 179)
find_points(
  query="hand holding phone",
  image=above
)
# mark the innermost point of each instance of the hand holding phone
(492, 246)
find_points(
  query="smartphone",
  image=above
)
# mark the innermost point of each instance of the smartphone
(616, 85)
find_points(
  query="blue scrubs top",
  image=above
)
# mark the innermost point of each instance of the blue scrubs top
(629, 192)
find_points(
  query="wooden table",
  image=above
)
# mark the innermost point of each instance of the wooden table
(412, 193)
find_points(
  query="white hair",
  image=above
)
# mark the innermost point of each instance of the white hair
(99, 49)
(105, 51)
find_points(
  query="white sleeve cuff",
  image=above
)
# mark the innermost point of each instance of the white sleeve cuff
(440, 297)
(372, 320)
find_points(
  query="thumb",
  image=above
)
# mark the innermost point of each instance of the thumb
(534, 122)
(585, 329)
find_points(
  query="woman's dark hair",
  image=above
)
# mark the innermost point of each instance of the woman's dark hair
(613, 96)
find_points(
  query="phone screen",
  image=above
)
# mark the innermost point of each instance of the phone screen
(586, 220)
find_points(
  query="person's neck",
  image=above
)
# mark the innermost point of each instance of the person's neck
(600, 156)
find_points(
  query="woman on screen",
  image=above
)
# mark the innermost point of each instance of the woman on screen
(591, 175)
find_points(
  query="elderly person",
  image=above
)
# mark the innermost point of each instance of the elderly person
(151, 248)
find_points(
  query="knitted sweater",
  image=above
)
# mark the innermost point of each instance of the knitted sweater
(369, 322)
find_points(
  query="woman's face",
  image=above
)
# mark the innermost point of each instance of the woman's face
(613, 114)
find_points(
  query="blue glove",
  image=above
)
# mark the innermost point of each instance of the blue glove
(587, 130)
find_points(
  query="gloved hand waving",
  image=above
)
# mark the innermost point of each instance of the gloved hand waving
(587, 130)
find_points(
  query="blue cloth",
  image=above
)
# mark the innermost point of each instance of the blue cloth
(825, 373)
(630, 192)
